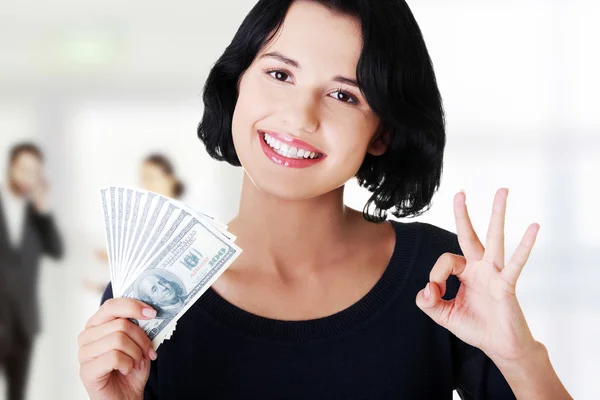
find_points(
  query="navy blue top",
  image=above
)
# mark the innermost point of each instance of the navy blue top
(381, 347)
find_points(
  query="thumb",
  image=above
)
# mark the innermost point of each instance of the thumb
(430, 301)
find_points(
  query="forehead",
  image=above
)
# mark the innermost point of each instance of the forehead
(319, 38)
(28, 159)
(151, 168)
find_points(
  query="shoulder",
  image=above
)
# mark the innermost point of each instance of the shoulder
(429, 243)
(428, 238)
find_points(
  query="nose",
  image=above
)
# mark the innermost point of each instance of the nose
(301, 113)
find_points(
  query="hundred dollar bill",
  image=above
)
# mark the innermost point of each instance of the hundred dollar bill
(164, 217)
(120, 218)
(107, 231)
(135, 211)
(142, 217)
(126, 217)
(180, 273)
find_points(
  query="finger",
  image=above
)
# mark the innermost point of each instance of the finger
(98, 368)
(430, 301)
(136, 334)
(467, 238)
(494, 243)
(121, 308)
(114, 341)
(513, 269)
(448, 264)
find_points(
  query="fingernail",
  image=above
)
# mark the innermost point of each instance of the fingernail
(142, 364)
(462, 190)
(149, 312)
(427, 292)
(152, 354)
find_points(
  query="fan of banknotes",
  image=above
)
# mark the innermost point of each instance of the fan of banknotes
(163, 253)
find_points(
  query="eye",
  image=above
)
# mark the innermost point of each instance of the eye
(344, 97)
(281, 76)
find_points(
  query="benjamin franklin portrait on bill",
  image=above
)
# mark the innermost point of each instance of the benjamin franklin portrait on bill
(162, 290)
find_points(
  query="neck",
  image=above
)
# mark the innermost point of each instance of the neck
(291, 234)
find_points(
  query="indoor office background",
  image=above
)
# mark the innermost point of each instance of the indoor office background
(100, 84)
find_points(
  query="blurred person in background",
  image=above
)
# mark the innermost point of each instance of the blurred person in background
(27, 231)
(157, 175)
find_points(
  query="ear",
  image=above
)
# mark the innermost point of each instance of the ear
(380, 142)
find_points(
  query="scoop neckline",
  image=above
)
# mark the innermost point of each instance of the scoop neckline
(361, 312)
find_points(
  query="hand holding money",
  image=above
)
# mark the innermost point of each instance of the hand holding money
(162, 252)
(114, 353)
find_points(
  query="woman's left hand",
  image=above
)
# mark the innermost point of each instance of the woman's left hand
(485, 312)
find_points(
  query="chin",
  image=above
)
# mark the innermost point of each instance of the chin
(290, 189)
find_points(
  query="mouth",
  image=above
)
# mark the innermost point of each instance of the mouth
(289, 152)
(290, 148)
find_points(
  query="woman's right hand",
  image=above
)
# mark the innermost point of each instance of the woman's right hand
(115, 353)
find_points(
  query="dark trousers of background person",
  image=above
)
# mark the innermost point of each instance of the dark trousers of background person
(15, 359)
(19, 308)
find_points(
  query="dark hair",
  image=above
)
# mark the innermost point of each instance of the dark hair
(166, 166)
(24, 147)
(395, 74)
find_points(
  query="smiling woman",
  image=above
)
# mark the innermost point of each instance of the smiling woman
(342, 78)
(326, 301)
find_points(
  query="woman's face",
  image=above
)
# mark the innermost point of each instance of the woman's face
(301, 90)
(154, 179)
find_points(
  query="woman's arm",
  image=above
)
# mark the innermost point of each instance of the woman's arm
(485, 312)
(533, 376)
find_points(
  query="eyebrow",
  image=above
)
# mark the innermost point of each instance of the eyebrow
(280, 57)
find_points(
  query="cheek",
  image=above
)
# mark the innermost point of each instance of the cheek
(256, 101)
(24, 177)
(349, 134)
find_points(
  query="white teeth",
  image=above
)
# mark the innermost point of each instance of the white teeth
(288, 151)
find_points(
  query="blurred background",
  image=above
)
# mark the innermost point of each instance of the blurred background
(99, 85)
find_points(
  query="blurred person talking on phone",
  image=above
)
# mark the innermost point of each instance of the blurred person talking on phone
(27, 231)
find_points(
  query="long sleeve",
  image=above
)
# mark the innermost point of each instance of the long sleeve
(49, 236)
(476, 376)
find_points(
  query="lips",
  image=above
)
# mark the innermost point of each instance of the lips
(292, 152)
(291, 141)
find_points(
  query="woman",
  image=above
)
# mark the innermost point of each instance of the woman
(158, 175)
(327, 302)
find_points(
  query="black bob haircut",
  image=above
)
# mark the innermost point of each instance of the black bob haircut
(394, 72)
